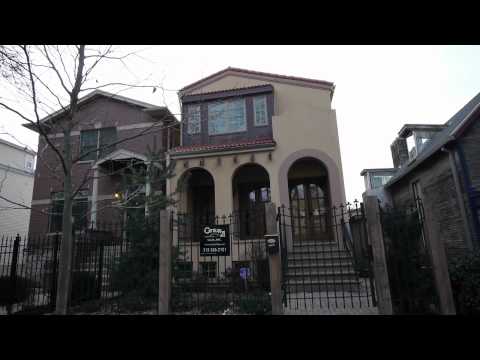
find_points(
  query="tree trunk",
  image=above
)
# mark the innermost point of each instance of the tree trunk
(66, 252)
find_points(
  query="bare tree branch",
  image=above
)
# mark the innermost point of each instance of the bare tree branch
(34, 99)
(54, 68)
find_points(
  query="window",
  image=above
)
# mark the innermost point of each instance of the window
(97, 139)
(380, 180)
(208, 269)
(88, 143)
(227, 117)
(193, 119)
(260, 111)
(29, 163)
(79, 211)
(183, 270)
(259, 195)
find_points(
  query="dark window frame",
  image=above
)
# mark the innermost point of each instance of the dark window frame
(210, 273)
(103, 137)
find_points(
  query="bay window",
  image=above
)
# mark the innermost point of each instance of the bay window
(227, 117)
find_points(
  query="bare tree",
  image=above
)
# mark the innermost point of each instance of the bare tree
(49, 78)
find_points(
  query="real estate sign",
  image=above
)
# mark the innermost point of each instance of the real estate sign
(215, 240)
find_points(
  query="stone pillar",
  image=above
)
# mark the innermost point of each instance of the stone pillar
(274, 261)
(380, 271)
(93, 212)
(165, 263)
(223, 195)
(438, 257)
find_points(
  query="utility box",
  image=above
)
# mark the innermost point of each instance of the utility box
(272, 243)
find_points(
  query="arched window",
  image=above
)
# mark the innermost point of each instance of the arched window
(251, 191)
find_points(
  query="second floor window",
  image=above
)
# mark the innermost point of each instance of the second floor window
(260, 111)
(380, 180)
(227, 117)
(193, 120)
(94, 144)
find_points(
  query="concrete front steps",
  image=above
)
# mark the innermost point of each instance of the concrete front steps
(320, 266)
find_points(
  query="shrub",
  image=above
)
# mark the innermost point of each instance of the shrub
(256, 304)
(134, 303)
(214, 304)
(465, 280)
(23, 289)
(136, 272)
(84, 287)
(409, 269)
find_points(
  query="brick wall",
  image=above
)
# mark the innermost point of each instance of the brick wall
(105, 113)
(437, 187)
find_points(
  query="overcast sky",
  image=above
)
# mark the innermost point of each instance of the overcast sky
(378, 88)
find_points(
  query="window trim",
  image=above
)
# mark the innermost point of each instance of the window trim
(243, 100)
(82, 133)
(264, 98)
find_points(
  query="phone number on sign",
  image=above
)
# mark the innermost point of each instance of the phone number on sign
(215, 250)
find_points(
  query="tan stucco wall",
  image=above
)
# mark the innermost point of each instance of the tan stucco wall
(303, 125)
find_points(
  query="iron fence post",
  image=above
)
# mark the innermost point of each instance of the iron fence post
(275, 262)
(13, 270)
(100, 268)
(53, 289)
(165, 263)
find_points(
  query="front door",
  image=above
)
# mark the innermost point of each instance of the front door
(310, 211)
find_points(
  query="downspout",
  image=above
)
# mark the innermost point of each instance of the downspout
(466, 224)
(469, 190)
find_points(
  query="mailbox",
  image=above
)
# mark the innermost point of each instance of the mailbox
(272, 243)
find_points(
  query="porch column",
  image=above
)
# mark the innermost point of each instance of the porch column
(93, 211)
(223, 195)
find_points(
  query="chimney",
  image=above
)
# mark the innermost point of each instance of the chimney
(399, 152)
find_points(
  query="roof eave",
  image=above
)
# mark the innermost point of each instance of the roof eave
(415, 163)
(312, 82)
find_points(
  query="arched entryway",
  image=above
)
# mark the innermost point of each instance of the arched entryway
(197, 200)
(310, 200)
(251, 191)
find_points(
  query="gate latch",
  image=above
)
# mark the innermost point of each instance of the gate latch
(272, 243)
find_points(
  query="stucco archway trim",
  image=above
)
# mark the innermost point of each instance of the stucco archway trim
(334, 175)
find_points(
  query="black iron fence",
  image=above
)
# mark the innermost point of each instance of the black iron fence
(411, 278)
(28, 268)
(238, 282)
(115, 269)
(326, 258)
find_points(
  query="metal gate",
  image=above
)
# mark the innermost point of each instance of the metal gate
(213, 284)
(333, 272)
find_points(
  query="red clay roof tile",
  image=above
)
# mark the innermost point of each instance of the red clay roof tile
(229, 146)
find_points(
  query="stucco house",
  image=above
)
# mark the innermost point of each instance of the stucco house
(112, 132)
(441, 167)
(16, 186)
(250, 137)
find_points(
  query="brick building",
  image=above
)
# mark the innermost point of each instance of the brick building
(442, 168)
(130, 126)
